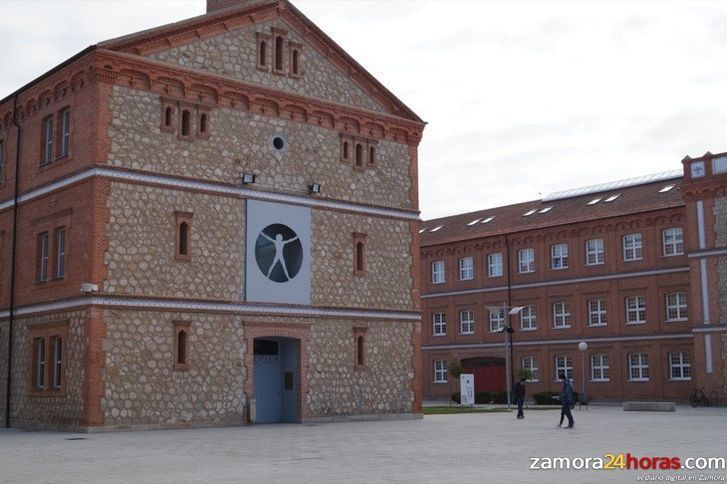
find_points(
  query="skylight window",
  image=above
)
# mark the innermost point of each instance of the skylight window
(422, 230)
(529, 212)
(474, 221)
(666, 188)
(594, 201)
(612, 198)
(488, 219)
(438, 227)
(546, 209)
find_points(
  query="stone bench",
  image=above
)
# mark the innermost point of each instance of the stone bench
(649, 406)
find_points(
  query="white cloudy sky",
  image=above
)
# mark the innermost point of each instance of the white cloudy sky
(522, 98)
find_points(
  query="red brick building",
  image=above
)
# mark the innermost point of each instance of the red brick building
(632, 268)
(203, 224)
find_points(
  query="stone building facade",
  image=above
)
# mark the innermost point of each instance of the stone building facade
(133, 292)
(632, 268)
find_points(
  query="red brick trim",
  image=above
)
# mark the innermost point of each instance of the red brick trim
(47, 331)
(261, 39)
(93, 388)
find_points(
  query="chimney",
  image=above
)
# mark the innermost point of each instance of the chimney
(214, 5)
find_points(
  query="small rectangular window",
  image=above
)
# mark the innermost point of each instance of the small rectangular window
(676, 306)
(638, 366)
(673, 242)
(467, 322)
(438, 272)
(526, 261)
(466, 269)
(439, 324)
(594, 252)
(39, 363)
(680, 366)
(57, 347)
(497, 319)
(494, 264)
(359, 338)
(559, 256)
(181, 345)
(563, 365)
(183, 236)
(530, 363)
(47, 363)
(632, 247)
(561, 315)
(635, 310)
(600, 371)
(359, 254)
(597, 312)
(440, 371)
(65, 132)
(528, 318)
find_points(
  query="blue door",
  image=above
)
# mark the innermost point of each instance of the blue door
(267, 384)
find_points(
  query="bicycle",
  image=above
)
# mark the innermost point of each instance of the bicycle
(699, 398)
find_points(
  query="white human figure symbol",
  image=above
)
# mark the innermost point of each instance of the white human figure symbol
(279, 245)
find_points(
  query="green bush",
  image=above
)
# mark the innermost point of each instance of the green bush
(499, 397)
(456, 397)
(545, 398)
(483, 397)
(455, 369)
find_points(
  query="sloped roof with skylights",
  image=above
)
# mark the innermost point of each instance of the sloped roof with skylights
(623, 197)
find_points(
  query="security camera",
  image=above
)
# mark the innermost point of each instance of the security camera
(87, 288)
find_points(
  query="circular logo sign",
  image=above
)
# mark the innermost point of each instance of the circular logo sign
(279, 253)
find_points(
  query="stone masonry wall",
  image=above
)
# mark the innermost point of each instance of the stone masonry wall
(234, 54)
(142, 241)
(141, 260)
(387, 282)
(4, 325)
(720, 229)
(241, 142)
(338, 388)
(48, 411)
(142, 387)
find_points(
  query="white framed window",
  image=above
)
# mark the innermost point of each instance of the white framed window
(680, 366)
(531, 363)
(561, 315)
(57, 346)
(466, 269)
(497, 320)
(65, 131)
(438, 272)
(635, 310)
(494, 264)
(676, 306)
(439, 324)
(638, 367)
(559, 256)
(60, 236)
(526, 260)
(43, 257)
(39, 363)
(467, 322)
(47, 140)
(597, 312)
(528, 318)
(595, 254)
(633, 249)
(600, 370)
(672, 241)
(563, 364)
(440, 371)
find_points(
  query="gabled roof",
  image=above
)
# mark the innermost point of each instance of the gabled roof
(583, 208)
(220, 21)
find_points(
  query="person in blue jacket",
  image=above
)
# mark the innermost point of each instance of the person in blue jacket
(566, 400)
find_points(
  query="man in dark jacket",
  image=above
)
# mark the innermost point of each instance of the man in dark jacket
(566, 400)
(520, 397)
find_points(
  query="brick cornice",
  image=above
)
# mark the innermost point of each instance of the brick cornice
(216, 90)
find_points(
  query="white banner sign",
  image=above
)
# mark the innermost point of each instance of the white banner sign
(467, 389)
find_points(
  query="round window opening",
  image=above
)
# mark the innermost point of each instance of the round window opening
(278, 143)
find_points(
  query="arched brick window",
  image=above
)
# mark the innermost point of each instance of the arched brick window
(359, 254)
(278, 53)
(359, 340)
(181, 345)
(183, 236)
(185, 122)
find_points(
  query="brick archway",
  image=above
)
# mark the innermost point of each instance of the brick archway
(298, 332)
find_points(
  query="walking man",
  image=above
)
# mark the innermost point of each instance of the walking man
(520, 397)
(566, 399)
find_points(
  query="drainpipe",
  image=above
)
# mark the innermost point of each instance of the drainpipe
(13, 264)
(510, 329)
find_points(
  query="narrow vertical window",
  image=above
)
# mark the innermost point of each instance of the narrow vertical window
(278, 53)
(57, 346)
(295, 68)
(181, 345)
(43, 257)
(345, 150)
(466, 268)
(359, 256)
(494, 264)
(203, 123)
(2, 161)
(438, 272)
(359, 155)
(39, 363)
(526, 261)
(168, 117)
(47, 143)
(262, 60)
(359, 253)
(183, 236)
(185, 122)
(65, 132)
(372, 155)
(60, 238)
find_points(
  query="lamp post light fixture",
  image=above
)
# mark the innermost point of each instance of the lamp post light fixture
(583, 346)
(509, 331)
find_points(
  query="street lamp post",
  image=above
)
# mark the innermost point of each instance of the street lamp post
(583, 346)
(508, 330)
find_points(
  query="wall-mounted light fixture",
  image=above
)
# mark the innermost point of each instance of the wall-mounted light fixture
(248, 178)
(314, 188)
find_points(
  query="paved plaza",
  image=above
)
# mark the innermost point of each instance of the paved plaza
(486, 447)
